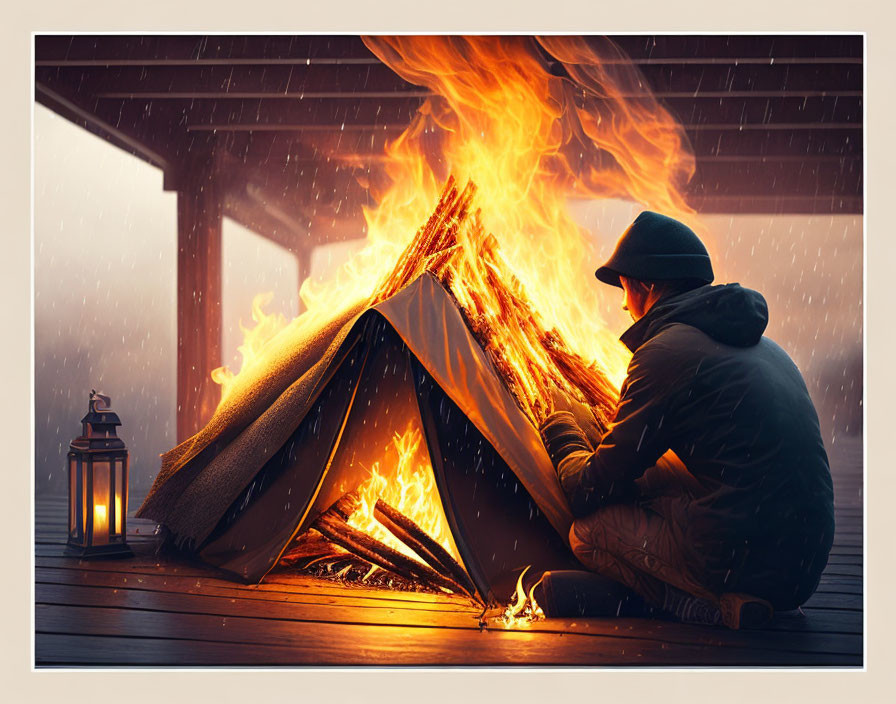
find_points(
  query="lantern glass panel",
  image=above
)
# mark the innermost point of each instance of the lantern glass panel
(101, 503)
(82, 498)
(72, 495)
(120, 499)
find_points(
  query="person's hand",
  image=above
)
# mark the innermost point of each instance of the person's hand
(583, 415)
(560, 401)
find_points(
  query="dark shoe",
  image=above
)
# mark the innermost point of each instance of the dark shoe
(745, 611)
(580, 594)
(688, 608)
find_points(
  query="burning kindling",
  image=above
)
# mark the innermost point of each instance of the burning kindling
(531, 359)
(393, 522)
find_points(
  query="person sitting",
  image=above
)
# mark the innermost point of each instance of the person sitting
(710, 494)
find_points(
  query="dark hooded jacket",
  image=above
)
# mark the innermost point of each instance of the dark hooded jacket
(731, 404)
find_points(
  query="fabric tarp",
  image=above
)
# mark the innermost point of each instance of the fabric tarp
(200, 478)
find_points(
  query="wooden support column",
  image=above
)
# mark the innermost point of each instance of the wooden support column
(199, 216)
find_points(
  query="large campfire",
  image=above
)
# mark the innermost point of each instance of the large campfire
(531, 135)
(393, 522)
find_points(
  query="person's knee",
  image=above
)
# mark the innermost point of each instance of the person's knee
(587, 539)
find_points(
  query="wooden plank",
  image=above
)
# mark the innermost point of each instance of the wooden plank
(183, 594)
(303, 585)
(319, 592)
(326, 643)
(847, 550)
(671, 49)
(767, 48)
(836, 600)
(308, 588)
(852, 585)
(234, 80)
(63, 650)
(144, 599)
(107, 49)
(844, 571)
(667, 78)
(815, 631)
(187, 595)
(282, 80)
(712, 111)
(839, 559)
(833, 634)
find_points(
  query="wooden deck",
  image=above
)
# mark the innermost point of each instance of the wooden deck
(145, 611)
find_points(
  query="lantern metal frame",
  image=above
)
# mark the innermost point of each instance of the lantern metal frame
(98, 486)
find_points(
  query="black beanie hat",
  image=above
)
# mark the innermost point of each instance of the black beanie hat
(657, 248)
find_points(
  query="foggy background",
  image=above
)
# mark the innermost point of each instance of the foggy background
(105, 271)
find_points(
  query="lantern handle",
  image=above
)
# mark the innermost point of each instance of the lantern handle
(99, 402)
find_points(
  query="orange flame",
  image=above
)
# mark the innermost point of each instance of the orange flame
(255, 341)
(535, 123)
(404, 479)
(524, 609)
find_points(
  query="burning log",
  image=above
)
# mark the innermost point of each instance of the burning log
(417, 540)
(332, 526)
(311, 545)
(346, 505)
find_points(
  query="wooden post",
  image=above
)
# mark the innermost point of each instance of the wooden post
(199, 215)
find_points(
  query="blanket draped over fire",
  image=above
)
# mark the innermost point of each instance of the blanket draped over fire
(464, 315)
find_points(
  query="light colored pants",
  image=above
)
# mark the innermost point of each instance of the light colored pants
(648, 545)
(639, 547)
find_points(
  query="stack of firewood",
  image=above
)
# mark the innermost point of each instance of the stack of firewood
(531, 358)
(435, 569)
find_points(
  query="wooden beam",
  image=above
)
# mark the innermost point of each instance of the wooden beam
(204, 113)
(778, 205)
(306, 61)
(311, 78)
(298, 127)
(295, 94)
(295, 127)
(198, 299)
(364, 149)
(702, 78)
(90, 121)
(769, 126)
(252, 80)
(299, 94)
(318, 48)
(751, 179)
(757, 47)
(318, 61)
(206, 48)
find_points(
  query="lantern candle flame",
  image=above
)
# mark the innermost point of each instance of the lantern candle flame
(100, 520)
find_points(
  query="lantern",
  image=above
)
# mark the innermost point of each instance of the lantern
(98, 485)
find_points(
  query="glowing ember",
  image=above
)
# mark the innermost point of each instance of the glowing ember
(404, 479)
(523, 610)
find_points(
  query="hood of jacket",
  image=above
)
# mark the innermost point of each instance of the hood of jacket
(730, 314)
